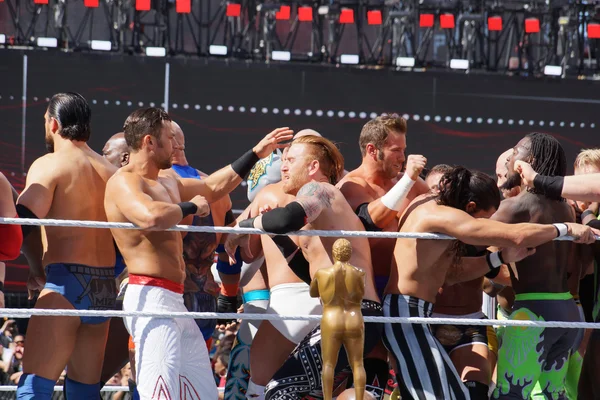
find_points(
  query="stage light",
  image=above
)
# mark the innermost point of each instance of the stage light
(349, 59)
(459, 63)
(405, 62)
(553, 70)
(217, 50)
(47, 42)
(103, 45)
(156, 51)
(2, 38)
(281, 55)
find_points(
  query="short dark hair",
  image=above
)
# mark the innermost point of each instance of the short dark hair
(377, 130)
(73, 114)
(439, 169)
(461, 186)
(142, 122)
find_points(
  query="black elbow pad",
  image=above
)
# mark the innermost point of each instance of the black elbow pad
(284, 219)
(24, 212)
(363, 214)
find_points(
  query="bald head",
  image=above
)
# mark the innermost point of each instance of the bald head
(179, 137)
(350, 394)
(116, 150)
(501, 170)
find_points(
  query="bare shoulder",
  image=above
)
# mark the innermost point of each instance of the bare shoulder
(315, 188)
(48, 163)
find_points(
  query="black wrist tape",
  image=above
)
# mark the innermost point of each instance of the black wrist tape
(244, 164)
(188, 208)
(247, 223)
(550, 186)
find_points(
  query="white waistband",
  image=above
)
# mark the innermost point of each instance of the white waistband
(286, 286)
(475, 315)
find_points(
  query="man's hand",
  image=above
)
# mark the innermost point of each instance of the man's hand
(202, 204)
(272, 141)
(582, 233)
(516, 254)
(415, 165)
(233, 242)
(35, 284)
(526, 171)
(7, 324)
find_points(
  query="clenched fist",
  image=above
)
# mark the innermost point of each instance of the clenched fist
(415, 165)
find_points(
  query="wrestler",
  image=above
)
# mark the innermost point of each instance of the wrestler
(310, 169)
(116, 150)
(461, 209)
(116, 356)
(289, 295)
(11, 237)
(79, 262)
(466, 345)
(200, 289)
(171, 356)
(382, 145)
(538, 296)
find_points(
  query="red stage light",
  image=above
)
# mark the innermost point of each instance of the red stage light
(374, 17)
(183, 6)
(233, 10)
(532, 25)
(305, 14)
(447, 21)
(347, 16)
(426, 20)
(283, 14)
(495, 23)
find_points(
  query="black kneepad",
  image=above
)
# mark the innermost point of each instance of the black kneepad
(477, 390)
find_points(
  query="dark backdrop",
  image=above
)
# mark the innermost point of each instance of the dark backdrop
(453, 118)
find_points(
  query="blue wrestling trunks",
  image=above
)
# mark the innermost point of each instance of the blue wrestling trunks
(202, 302)
(86, 288)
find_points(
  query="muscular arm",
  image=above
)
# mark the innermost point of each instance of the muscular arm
(213, 187)
(487, 232)
(377, 214)
(311, 200)
(467, 269)
(125, 191)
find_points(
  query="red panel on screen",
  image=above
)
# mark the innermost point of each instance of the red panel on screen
(495, 23)
(426, 20)
(532, 25)
(90, 3)
(305, 14)
(183, 6)
(142, 5)
(594, 31)
(347, 16)
(447, 21)
(374, 17)
(283, 14)
(40, 1)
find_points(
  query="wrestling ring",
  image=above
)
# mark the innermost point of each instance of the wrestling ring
(26, 313)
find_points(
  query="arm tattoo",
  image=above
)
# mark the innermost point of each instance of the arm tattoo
(314, 198)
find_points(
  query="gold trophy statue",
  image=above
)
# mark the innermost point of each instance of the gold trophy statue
(341, 288)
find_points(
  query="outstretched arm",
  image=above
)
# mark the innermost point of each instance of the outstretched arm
(222, 182)
(487, 232)
(575, 187)
(311, 200)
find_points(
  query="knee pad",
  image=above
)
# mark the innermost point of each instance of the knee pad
(35, 387)
(477, 390)
(255, 392)
(76, 390)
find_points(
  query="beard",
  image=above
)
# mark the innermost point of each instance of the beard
(512, 180)
(165, 164)
(49, 144)
(293, 185)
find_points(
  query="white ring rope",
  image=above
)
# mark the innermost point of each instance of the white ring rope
(220, 229)
(13, 388)
(28, 312)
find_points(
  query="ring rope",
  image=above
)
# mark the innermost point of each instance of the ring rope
(13, 388)
(220, 229)
(28, 312)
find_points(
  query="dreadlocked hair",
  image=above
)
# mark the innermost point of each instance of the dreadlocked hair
(548, 156)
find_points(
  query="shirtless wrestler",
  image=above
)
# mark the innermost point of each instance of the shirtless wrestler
(200, 289)
(539, 296)
(461, 209)
(582, 188)
(310, 169)
(171, 356)
(382, 145)
(79, 262)
(466, 345)
(116, 356)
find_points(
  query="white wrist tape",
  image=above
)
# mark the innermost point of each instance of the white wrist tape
(398, 193)
(495, 260)
(563, 229)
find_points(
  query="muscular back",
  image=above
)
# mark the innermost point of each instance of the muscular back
(338, 215)
(156, 253)
(421, 264)
(70, 184)
(546, 270)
